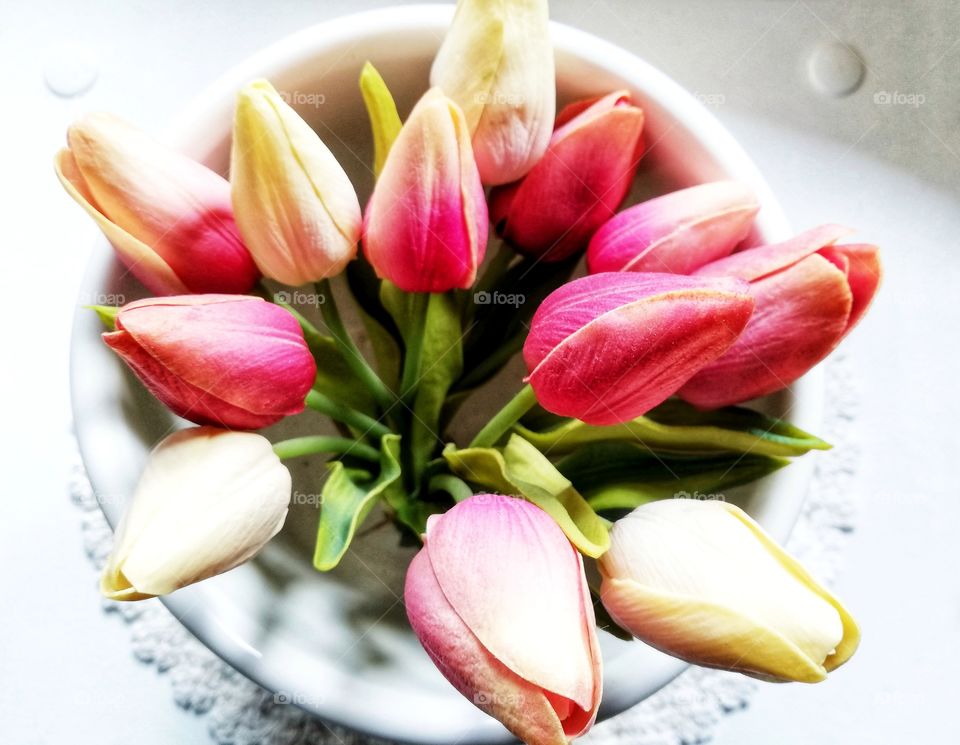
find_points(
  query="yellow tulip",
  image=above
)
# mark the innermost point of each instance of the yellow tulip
(294, 204)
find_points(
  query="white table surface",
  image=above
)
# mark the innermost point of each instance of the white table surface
(67, 673)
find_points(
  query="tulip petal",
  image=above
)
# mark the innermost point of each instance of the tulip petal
(702, 581)
(425, 227)
(521, 706)
(609, 347)
(706, 634)
(496, 62)
(207, 501)
(864, 273)
(536, 574)
(177, 207)
(678, 232)
(194, 354)
(578, 184)
(756, 263)
(145, 264)
(294, 203)
(801, 315)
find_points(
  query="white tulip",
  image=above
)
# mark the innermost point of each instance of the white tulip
(700, 580)
(207, 501)
(496, 62)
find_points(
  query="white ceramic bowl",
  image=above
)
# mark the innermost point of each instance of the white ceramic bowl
(337, 644)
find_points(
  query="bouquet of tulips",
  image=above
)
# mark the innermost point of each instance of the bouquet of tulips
(634, 370)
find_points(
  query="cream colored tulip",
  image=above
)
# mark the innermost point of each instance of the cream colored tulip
(700, 580)
(207, 501)
(296, 209)
(496, 62)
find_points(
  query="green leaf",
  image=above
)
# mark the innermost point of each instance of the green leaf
(348, 496)
(678, 427)
(334, 378)
(522, 470)
(107, 315)
(441, 363)
(624, 475)
(385, 122)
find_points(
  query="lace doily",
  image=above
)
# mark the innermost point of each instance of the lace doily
(685, 712)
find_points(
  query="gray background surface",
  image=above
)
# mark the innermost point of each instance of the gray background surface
(67, 673)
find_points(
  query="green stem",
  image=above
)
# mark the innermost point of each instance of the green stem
(455, 487)
(340, 413)
(504, 419)
(413, 354)
(310, 445)
(351, 355)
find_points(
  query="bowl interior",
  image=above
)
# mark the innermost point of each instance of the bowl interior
(338, 644)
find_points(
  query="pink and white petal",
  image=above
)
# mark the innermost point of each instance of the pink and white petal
(495, 555)
(521, 706)
(142, 261)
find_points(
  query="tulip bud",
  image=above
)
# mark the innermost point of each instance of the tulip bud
(609, 347)
(207, 501)
(809, 294)
(703, 582)
(295, 205)
(425, 227)
(168, 217)
(578, 184)
(230, 360)
(496, 62)
(677, 233)
(499, 600)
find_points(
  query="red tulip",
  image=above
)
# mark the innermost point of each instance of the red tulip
(229, 360)
(809, 294)
(578, 184)
(168, 217)
(678, 232)
(425, 227)
(499, 600)
(607, 348)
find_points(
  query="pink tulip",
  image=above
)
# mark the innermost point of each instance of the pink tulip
(609, 347)
(229, 360)
(168, 217)
(809, 294)
(578, 184)
(425, 227)
(499, 600)
(677, 233)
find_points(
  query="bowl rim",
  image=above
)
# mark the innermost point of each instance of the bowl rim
(191, 131)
